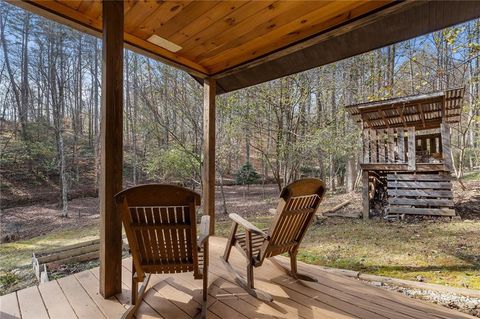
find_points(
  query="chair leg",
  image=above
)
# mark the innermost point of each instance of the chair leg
(293, 269)
(230, 242)
(293, 262)
(137, 296)
(250, 277)
(242, 282)
(206, 257)
(203, 312)
(134, 294)
(293, 272)
(247, 284)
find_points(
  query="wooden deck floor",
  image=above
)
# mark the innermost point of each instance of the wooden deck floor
(178, 296)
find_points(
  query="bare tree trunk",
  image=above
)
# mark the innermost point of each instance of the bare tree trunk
(351, 173)
(222, 191)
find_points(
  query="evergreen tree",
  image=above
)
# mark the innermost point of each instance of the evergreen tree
(247, 175)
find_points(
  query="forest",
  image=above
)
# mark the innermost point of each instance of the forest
(50, 84)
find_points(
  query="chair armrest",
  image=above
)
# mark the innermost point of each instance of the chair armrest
(204, 230)
(248, 226)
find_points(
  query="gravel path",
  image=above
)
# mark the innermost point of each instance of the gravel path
(464, 304)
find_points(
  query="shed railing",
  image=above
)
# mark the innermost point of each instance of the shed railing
(405, 146)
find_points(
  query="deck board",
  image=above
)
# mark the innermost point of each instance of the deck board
(179, 296)
(9, 306)
(55, 301)
(81, 302)
(31, 304)
(111, 308)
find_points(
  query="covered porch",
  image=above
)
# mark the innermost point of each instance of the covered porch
(225, 47)
(178, 296)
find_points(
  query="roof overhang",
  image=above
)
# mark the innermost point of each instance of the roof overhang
(350, 32)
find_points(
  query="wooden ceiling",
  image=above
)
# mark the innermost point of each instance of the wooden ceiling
(243, 43)
(217, 35)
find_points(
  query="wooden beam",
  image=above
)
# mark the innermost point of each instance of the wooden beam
(411, 149)
(422, 115)
(381, 146)
(111, 140)
(445, 141)
(209, 94)
(401, 145)
(390, 146)
(397, 167)
(384, 118)
(373, 146)
(366, 145)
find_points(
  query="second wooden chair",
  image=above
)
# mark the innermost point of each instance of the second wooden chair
(295, 211)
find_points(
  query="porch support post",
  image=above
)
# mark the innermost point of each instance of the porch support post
(111, 139)
(209, 93)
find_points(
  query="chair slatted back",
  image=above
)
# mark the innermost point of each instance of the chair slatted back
(160, 224)
(298, 203)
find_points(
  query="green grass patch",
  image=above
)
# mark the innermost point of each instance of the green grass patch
(445, 253)
(471, 176)
(16, 257)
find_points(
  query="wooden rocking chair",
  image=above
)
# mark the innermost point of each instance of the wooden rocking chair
(161, 229)
(295, 211)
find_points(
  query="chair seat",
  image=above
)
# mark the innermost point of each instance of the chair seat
(257, 242)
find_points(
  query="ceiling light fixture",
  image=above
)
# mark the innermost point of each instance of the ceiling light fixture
(164, 43)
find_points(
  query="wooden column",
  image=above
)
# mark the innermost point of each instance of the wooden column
(111, 139)
(390, 146)
(401, 145)
(381, 146)
(373, 146)
(365, 199)
(366, 146)
(411, 149)
(445, 142)
(209, 94)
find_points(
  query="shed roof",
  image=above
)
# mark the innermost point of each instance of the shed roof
(242, 43)
(423, 111)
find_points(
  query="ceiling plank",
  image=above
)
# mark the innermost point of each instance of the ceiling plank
(237, 16)
(138, 12)
(221, 10)
(290, 33)
(189, 13)
(167, 11)
(249, 30)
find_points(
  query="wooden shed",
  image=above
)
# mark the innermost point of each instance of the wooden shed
(406, 151)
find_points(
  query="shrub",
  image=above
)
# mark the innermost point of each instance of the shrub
(247, 175)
